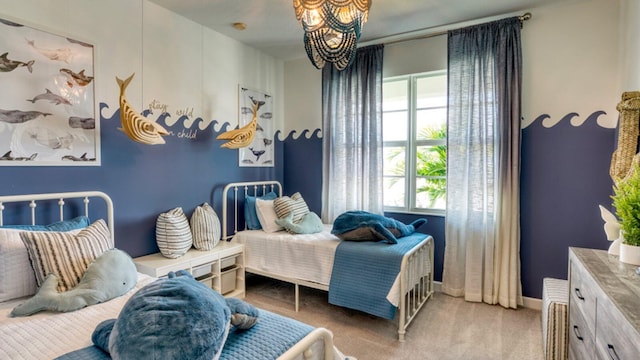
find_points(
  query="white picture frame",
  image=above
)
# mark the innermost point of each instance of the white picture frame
(49, 116)
(260, 153)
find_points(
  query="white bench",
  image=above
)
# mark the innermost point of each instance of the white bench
(555, 300)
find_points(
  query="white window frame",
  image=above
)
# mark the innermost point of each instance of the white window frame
(412, 145)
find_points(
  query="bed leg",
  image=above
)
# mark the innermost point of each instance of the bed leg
(297, 296)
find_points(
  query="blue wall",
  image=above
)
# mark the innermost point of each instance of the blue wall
(564, 177)
(146, 180)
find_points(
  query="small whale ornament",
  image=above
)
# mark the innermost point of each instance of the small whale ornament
(137, 127)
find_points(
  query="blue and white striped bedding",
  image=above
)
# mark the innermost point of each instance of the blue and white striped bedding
(272, 336)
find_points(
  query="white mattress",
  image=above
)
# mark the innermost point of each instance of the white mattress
(46, 335)
(307, 257)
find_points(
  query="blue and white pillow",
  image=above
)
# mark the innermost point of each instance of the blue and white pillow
(250, 214)
(173, 233)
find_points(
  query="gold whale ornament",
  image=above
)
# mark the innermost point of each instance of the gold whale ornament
(137, 127)
(243, 136)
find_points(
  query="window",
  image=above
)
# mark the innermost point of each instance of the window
(414, 134)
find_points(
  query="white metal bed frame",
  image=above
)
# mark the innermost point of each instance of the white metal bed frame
(33, 200)
(301, 350)
(416, 280)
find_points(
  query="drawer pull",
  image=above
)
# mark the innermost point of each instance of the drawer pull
(575, 331)
(578, 294)
(612, 352)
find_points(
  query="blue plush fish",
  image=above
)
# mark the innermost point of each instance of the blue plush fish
(110, 275)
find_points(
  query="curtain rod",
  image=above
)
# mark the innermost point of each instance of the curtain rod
(524, 17)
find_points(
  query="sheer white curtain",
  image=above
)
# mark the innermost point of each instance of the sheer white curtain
(352, 135)
(482, 252)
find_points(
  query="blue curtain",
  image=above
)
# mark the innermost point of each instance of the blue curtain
(482, 253)
(352, 135)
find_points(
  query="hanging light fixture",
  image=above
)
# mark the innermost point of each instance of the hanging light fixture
(331, 29)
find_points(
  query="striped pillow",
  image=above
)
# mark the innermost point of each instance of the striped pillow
(65, 254)
(205, 227)
(173, 233)
(296, 204)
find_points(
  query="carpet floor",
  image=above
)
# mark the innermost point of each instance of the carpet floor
(446, 328)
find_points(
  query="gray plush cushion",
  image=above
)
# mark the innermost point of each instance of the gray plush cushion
(295, 204)
(173, 233)
(205, 227)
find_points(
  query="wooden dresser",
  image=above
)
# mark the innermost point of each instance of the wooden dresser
(604, 307)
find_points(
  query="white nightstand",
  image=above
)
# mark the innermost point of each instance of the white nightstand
(221, 268)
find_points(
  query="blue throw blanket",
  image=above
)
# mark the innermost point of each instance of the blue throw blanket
(364, 272)
(272, 335)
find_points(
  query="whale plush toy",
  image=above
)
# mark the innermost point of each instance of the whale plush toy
(173, 318)
(366, 226)
(110, 275)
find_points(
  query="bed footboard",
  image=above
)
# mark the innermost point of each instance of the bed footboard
(303, 350)
(416, 283)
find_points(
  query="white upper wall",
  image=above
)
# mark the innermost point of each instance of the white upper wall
(571, 64)
(630, 45)
(176, 62)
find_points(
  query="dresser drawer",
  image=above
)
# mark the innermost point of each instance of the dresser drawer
(581, 337)
(616, 339)
(582, 294)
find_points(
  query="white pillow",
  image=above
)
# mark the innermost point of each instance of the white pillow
(267, 215)
(17, 277)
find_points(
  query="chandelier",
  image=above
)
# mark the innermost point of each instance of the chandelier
(331, 29)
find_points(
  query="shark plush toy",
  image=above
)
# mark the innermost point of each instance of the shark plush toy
(110, 275)
(366, 226)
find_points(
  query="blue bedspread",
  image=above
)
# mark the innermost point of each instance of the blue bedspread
(267, 340)
(364, 272)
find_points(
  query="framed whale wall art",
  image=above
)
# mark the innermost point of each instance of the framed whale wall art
(256, 106)
(48, 116)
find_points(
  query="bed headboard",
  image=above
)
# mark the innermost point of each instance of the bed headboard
(33, 200)
(239, 190)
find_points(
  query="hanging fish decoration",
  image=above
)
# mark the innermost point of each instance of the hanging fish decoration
(243, 136)
(137, 127)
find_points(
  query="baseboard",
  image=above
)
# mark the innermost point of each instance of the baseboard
(528, 302)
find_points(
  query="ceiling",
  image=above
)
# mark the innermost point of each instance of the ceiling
(271, 25)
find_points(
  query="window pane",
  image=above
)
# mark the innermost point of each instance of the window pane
(394, 193)
(431, 160)
(394, 125)
(394, 95)
(431, 171)
(431, 91)
(394, 161)
(431, 124)
(431, 193)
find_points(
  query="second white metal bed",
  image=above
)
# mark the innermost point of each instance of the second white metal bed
(414, 284)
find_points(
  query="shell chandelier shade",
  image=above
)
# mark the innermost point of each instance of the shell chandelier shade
(331, 29)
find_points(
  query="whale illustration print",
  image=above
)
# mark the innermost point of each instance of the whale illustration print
(63, 54)
(7, 65)
(8, 156)
(77, 78)
(51, 97)
(18, 117)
